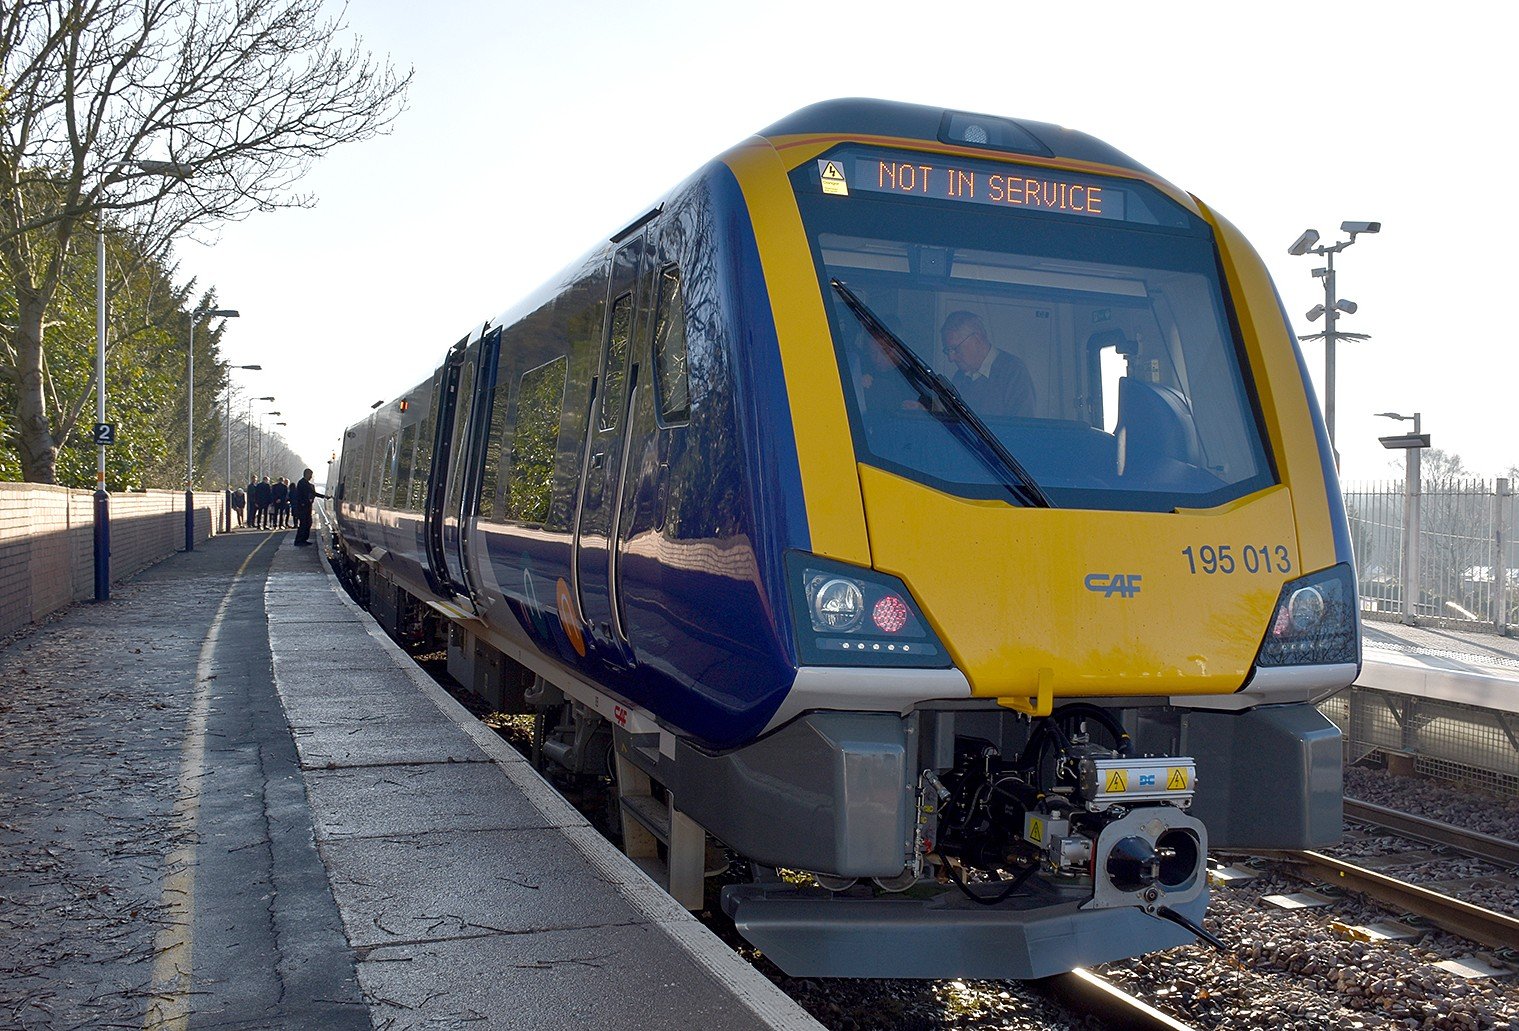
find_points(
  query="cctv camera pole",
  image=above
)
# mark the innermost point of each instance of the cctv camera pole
(1332, 308)
(1330, 317)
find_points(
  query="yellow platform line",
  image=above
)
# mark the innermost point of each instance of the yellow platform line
(174, 948)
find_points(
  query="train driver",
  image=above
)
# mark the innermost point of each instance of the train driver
(993, 383)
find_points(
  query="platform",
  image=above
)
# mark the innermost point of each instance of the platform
(1467, 667)
(231, 801)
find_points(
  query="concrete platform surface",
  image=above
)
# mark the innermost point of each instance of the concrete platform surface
(231, 801)
(1468, 666)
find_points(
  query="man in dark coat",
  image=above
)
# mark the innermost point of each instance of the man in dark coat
(262, 495)
(303, 494)
(279, 497)
(238, 500)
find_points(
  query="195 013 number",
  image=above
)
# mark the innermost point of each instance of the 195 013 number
(1251, 558)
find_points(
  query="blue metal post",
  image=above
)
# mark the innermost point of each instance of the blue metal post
(102, 545)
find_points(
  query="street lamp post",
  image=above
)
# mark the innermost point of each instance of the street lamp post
(271, 446)
(172, 170)
(1331, 308)
(212, 313)
(261, 470)
(227, 508)
(249, 455)
(1411, 444)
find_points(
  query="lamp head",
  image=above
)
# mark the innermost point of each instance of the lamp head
(222, 313)
(1315, 313)
(1356, 228)
(1392, 415)
(1346, 306)
(172, 169)
(1307, 240)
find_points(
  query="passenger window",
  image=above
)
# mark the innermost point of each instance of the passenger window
(422, 464)
(403, 467)
(614, 377)
(670, 374)
(372, 466)
(490, 481)
(540, 400)
(388, 478)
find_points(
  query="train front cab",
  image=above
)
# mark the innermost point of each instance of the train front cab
(1068, 642)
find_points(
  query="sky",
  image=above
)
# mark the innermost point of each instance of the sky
(535, 130)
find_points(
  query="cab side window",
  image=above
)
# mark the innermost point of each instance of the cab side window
(670, 376)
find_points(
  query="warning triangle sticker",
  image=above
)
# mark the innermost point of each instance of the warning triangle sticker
(1176, 779)
(1118, 780)
(832, 177)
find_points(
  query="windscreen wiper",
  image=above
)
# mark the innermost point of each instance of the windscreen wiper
(932, 387)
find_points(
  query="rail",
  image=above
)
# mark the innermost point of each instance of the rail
(1099, 998)
(1472, 843)
(1474, 923)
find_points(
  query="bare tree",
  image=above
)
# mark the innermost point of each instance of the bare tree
(153, 118)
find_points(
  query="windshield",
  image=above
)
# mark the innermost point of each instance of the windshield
(1092, 341)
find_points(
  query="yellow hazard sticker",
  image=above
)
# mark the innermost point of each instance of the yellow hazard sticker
(1176, 778)
(1035, 829)
(1118, 780)
(832, 175)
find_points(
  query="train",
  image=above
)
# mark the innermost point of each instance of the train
(930, 509)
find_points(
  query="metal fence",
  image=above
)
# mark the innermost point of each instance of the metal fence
(1464, 562)
(1444, 740)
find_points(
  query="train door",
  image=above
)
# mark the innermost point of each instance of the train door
(615, 388)
(445, 403)
(477, 381)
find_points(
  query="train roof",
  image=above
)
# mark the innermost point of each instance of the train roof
(858, 116)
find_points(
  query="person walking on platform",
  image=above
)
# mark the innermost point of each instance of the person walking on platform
(238, 500)
(304, 493)
(252, 493)
(279, 497)
(262, 494)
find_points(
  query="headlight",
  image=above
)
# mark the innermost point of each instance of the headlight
(848, 616)
(1315, 621)
(1305, 609)
(838, 606)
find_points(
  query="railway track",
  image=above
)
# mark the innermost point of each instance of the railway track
(1456, 916)
(1484, 926)
(1100, 1000)
(1472, 843)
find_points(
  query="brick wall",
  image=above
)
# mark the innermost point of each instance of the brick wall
(47, 542)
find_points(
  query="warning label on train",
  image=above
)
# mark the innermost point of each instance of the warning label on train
(832, 174)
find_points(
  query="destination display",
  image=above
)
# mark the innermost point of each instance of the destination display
(968, 182)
